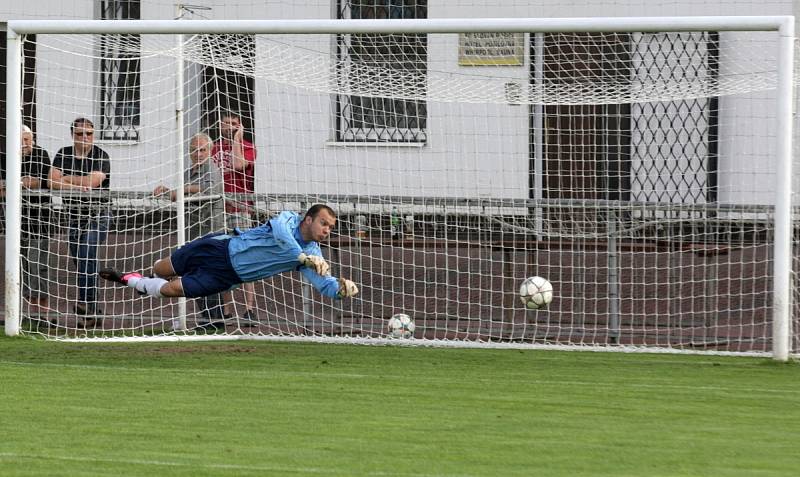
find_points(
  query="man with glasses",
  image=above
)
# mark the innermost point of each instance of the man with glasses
(84, 167)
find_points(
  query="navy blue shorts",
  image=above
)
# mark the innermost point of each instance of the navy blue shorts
(205, 266)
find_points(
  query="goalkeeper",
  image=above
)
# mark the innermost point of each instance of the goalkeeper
(220, 262)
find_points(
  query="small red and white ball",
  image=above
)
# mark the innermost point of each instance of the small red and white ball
(536, 293)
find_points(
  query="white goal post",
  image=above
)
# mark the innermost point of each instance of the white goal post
(639, 175)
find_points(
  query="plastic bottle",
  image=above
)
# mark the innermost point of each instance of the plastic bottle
(394, 224)
(361, 226)
(409, 223)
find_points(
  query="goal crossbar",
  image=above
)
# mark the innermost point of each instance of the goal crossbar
(448, 25)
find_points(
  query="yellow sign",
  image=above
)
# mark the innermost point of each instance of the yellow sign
(491, 49)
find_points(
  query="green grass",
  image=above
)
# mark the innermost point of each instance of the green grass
(260, 408)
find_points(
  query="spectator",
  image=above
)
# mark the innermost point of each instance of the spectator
(84, 167)
(236, 156)
(36, 231)
(203, 216)
(201, 178)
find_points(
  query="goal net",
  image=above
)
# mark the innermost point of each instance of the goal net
(638, 171)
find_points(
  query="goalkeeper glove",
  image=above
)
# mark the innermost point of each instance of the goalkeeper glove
(315, 262)
(347, 288)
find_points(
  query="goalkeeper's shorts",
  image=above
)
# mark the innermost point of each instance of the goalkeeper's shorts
(204, 266)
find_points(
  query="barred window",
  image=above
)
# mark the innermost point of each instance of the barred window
(381, 119)
(120, 75)
(664, 151)
(230, 88)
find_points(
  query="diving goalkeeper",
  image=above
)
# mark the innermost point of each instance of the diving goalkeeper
(220, 262)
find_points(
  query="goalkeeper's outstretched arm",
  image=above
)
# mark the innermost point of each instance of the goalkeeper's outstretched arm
(330, 286)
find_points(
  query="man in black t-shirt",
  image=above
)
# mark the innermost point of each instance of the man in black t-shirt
(84, 167)
(36, 231)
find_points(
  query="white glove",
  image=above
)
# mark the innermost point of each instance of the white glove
(347, 288)
(317, 263)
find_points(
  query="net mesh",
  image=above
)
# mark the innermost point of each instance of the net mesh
(635, 171)
(602, 68)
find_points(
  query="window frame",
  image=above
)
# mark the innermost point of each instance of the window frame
(119, 98)
(362, 119)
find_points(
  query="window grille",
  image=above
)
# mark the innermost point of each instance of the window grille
(228, 89)
(120, 75)
(377, 119)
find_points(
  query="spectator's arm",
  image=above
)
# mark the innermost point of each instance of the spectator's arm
(237, 150)
(55, 178)
(161, 189)
(94, 179)
(58, 181)
(173, 195)
(30, 182)
(192, 189)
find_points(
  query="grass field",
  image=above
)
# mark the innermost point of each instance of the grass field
(260, 408)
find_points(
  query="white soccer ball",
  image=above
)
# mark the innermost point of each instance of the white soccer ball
(536, 292)
(401, 326)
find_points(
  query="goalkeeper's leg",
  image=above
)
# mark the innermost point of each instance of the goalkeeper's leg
(156, 287)
(145, 286)
(202, 266)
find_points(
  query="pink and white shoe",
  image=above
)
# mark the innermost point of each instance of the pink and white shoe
(112, 275)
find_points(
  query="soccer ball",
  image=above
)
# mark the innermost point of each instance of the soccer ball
(401, 326)
(536, 293)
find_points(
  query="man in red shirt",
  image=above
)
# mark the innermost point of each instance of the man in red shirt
(236, 157)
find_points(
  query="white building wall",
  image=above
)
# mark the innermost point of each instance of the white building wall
(747, 128)
(472, 150)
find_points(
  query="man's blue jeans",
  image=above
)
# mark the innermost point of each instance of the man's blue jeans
(85, 237)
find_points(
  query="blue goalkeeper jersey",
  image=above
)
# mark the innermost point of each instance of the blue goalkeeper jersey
(272, 248)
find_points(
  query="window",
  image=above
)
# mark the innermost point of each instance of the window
(655, 151)
(228, 89)
(380, 119)
(120, 75)
(659, 151)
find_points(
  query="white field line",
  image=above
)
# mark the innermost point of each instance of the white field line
(208, 466)
(738, 390)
